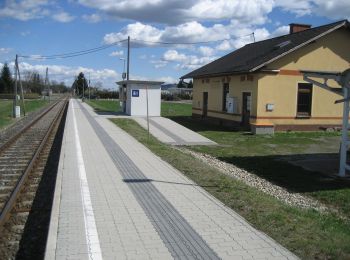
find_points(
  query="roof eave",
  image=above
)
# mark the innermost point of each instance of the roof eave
(215, 74)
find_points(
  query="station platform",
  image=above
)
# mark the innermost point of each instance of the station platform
(115, 199)
(170, 132)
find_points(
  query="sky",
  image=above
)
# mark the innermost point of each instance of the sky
(169, 38)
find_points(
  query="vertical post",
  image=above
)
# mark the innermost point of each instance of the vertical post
(47, 85)
(344, 137)
(15, 89)
(83, 89)
(20, 83)
(89, 85)
(128, 65)
(147, 111)
(21, 87)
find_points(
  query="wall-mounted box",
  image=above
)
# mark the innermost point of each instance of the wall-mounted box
(270, 107)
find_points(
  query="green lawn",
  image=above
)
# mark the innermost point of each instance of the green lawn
(104, 106)
(6, 109)
(265, 155)
(309, 234)
(168, 109)
(171, 109)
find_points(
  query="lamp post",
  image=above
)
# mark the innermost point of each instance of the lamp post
(123, 74)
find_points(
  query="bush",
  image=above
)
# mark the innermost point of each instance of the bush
(176, 97)
(26, 96)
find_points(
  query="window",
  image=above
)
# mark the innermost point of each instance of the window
(225, 96)
(304, 99)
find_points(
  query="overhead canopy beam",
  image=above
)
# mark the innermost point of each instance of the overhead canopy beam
(343, 79)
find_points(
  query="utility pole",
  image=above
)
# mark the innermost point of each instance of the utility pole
(47, 85)
(89, 85)
(15, 90)
(253, 36)
(128, 65)
(83, 89)
(17, 79)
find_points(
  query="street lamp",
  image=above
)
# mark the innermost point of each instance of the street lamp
(124, 74)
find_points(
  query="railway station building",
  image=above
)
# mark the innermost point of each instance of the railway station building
(260, 86)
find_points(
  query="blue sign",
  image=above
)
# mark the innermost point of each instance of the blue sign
(135, 93)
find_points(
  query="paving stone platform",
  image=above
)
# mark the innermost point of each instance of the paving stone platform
(115, 199)
(170, 132)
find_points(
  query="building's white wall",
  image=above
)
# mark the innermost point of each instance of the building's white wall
(137, 106)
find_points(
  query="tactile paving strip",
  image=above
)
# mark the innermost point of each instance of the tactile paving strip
(180, 238)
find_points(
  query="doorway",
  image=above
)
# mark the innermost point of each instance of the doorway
(246, 104)
(205, 104)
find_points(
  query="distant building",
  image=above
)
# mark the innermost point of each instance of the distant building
(260, 84)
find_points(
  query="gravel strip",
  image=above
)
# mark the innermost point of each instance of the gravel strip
(294, 199)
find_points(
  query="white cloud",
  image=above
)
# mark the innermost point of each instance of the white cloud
(181, 11)
(63, 17)
(173, 55)
(184, 61)
(282, 30)
(5, 50)
(135, 31)
(117, 53)
(93, 18)
(206, 51)
(333, 9)
(67, 74)
(24, 10)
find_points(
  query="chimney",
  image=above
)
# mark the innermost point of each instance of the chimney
(297, 27)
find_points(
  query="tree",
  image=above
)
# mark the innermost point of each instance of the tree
(80, 83)
(190, 84)
(6, 81)
(33, 82)
(180, 84)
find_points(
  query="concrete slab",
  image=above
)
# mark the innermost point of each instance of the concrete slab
(142, 207)
(165, 130)
(170, 132)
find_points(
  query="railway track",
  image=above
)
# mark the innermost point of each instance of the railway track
(23, 160)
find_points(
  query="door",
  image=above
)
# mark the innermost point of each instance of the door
(205, 104)
(246, 97)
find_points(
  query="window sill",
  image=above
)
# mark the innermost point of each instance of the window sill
(303, 117)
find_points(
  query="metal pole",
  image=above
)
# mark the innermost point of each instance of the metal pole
(344, 139)
(147, 111)
(15, 89)
(47, 83)
(21, 87)
(83, 89)
(89, 85)
(128, 64)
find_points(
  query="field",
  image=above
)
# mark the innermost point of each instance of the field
(6, 109)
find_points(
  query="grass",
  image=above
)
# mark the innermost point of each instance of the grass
(168, 109)
(171, 109)
(104, 106)
(267, 156)
(307, 233)
(6, 109)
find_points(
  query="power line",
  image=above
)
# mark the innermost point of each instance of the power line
(71, 54)
(192, 43)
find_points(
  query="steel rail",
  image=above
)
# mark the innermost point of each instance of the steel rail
(5, 213)
(25, 128)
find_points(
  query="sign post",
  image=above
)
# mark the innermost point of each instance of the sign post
(147, 112)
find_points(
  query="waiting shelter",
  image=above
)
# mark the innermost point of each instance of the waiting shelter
(139, 98)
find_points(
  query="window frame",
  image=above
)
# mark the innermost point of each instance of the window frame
(304, 114)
